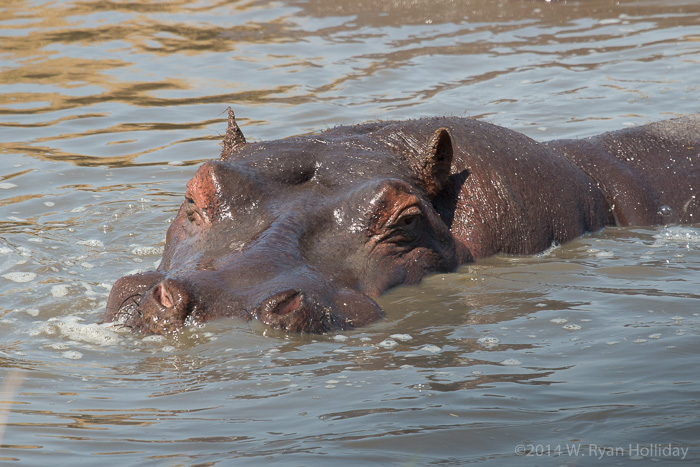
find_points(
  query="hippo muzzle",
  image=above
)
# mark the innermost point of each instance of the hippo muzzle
(155, 304)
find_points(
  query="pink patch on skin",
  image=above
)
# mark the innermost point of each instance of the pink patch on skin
(290, 306)
(164, 297)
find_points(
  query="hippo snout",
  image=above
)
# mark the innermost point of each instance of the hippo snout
(153, 303)
(149, 302)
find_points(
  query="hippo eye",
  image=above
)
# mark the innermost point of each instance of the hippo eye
(189, 208)
(194, 214)
(408, 221)
(406, 226)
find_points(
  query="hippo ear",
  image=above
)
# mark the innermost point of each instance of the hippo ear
(437, 162)
(233, 139)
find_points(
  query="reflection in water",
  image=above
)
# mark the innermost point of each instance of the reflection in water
(106, 108)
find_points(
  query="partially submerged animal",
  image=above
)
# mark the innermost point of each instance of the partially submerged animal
(303, 233)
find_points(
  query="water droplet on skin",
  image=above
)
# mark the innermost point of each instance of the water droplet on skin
(665, 210)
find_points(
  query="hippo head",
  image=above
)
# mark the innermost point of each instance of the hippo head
(300, 233)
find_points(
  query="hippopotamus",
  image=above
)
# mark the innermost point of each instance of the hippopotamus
(305, 232)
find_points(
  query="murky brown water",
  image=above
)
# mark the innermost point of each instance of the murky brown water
(586, 354)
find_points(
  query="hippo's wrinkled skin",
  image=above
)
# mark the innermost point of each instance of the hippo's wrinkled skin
(303, 233)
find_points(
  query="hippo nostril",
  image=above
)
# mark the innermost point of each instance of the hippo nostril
(293, 311)
(289, 305)
(171, 294)
(284, 303)
(163, 296)
(165, 308)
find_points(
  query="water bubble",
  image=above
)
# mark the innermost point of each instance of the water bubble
(665, 210)
(388, 343)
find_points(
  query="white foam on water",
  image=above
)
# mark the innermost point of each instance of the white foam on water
(24, 251)
(488, 341)
(677, 234)
(388, 343)
(572, 327)
(72, 355)
(552, 248)
(7, 186)
(558, 320)
(511, 362)
(147, 250)
(154, 338)
(401, 337)
(20, 277)
(89, 292)
(58, 291)
(431, 348)
(92, 243)
(72, 328)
